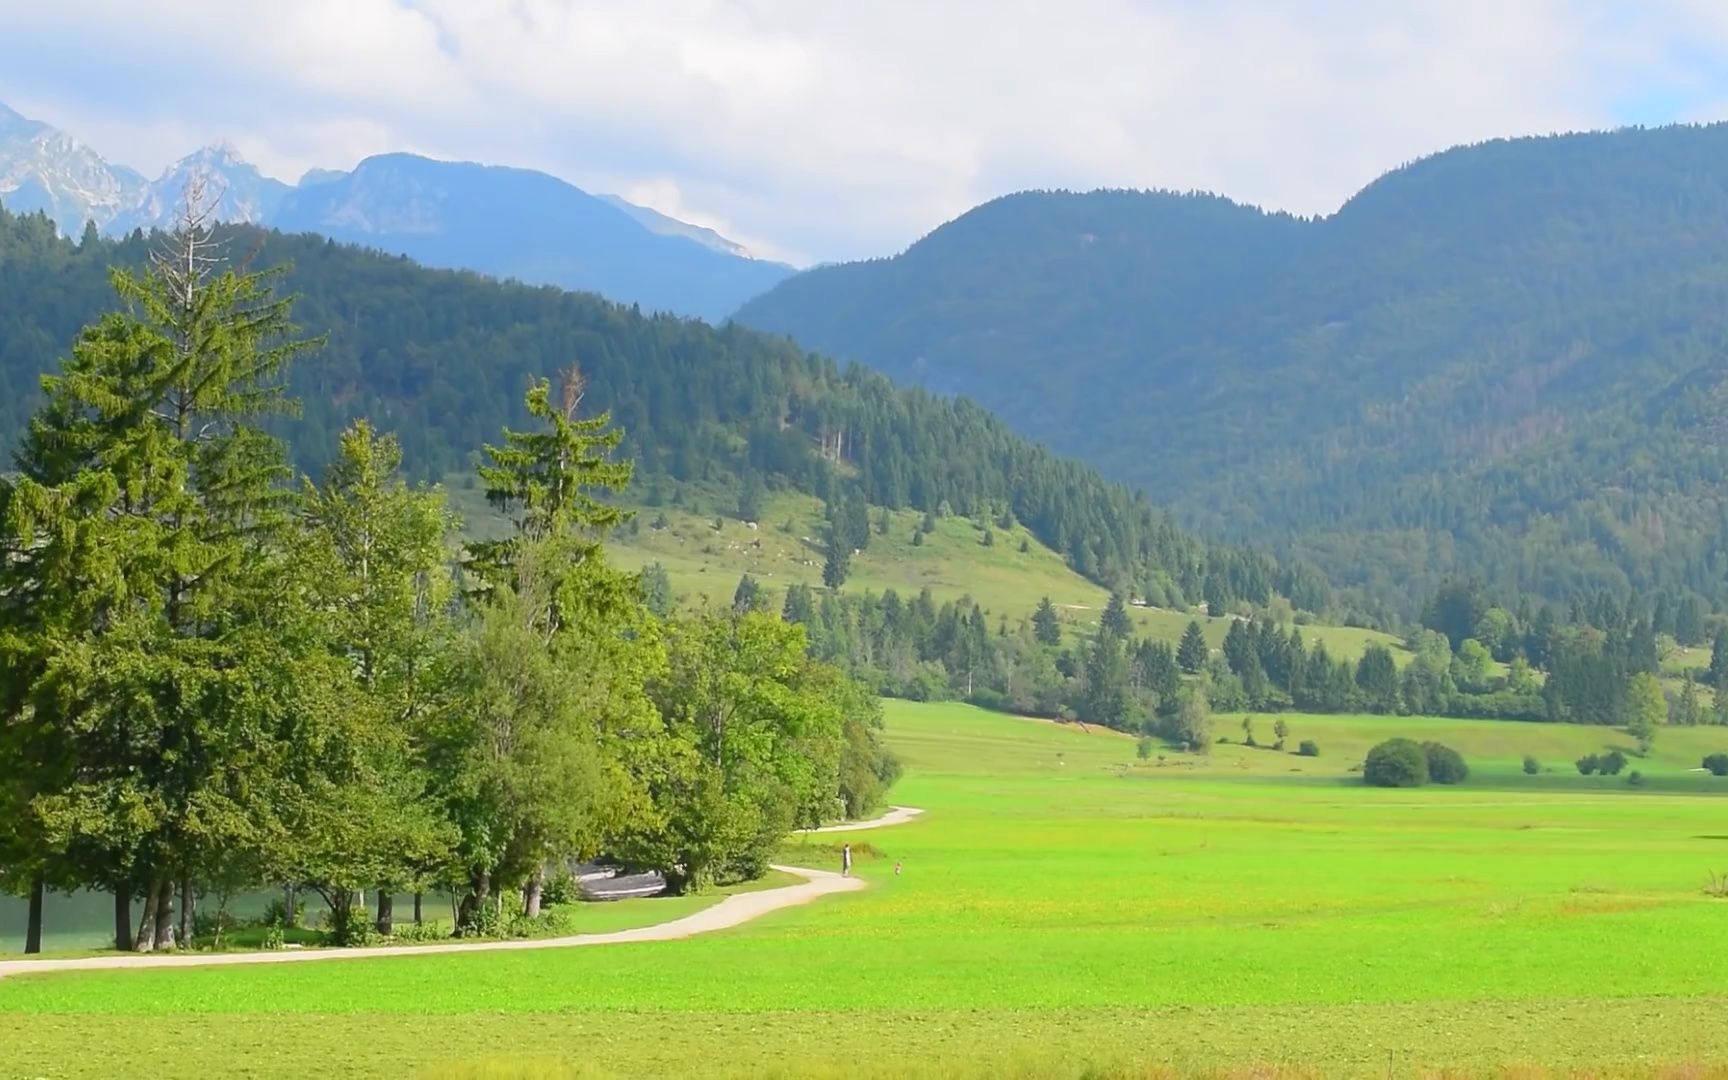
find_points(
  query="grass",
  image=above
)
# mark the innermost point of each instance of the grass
(1065, 907)
(704, 563)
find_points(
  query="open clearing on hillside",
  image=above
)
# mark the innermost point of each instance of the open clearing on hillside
(704, 562)
(1064, 905)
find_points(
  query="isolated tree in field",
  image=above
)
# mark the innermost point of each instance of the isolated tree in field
(1646, 709)
(1192, 653)
(836, 562)
(747, 596)
(1685, 711)
(1445, 765)
(1046, 625)
(1115, 620)
(1396, 763)
(1280, 732)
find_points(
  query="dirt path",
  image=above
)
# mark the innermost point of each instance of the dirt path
(732, 911)
(896, 815)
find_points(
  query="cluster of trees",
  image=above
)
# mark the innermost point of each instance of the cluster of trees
(211, 678)
(441, 358)
(1407, 763)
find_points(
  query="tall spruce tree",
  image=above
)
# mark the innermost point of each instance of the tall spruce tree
(1046, 625)
(1192, 653)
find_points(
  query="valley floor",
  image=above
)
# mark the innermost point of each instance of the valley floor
(1064, 907)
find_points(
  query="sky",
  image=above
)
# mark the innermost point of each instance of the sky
(818, 130)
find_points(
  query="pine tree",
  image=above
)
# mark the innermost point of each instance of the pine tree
(1717, 676)
(837, 561)
(1115, 620)
(1192, 653)
(748, 595)
(1046, 624)
(544, 478)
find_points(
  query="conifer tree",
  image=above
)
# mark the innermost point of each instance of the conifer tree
(1046, 625)
(1115, 620)
(1192, 653)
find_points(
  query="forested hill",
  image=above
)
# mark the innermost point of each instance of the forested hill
(1506, 360)
(442, 359)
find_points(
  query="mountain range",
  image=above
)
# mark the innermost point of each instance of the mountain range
(508, 223)
(1507, 361)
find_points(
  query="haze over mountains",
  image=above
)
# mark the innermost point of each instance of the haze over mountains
(513, 223)
(1505, 360)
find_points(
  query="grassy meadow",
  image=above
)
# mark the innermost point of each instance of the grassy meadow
(1066, 908)
(705, 548)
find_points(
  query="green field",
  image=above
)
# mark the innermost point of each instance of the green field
(704, 563)
(1064, 907)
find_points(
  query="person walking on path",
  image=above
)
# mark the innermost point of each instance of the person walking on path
(846, 860)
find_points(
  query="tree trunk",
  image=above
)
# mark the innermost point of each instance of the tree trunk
(386, 911)
(122, 919)
(479, 891)
(33, 928)
(146, 939)
(418, 921)
(165, 915)
(290, 897)
(188, 906)
(531, 893)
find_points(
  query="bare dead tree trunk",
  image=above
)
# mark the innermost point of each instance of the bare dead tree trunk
(165, 915)
(33, 926)
(386, 912)
(146, 939)
(418, 920)
(532, 892)
(122, 918)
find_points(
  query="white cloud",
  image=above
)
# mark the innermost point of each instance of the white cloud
(843, 129)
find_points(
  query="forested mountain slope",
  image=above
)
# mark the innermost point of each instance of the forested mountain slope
(1506, 360)
(442, 359)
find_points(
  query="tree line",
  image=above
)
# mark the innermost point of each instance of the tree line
(216, 675)
(440, 358)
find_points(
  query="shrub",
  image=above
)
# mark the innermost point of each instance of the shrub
(1396, 763)
(1531, 766)
(1611, 763)
(1717, 764)
(276, 913)
(1588, 764)
(1445, 765)
(1308, 748)
(560, 887)
(1635, 778)
(1144, 746)
(422, 932)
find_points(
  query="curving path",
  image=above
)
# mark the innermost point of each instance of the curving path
(732, 911)
(896, 815)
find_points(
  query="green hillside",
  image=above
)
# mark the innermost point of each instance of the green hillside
(1502, 361)
(441, 359)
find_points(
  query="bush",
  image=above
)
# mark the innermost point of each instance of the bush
(560, 887)
(1308, 748)
(1588, 764)
(1717, 764)
(422, 932)
(276, 913)
(1144, 746)
(1635, 778)
(1611, 763)
(1445, 765)
(1531, 766)
(1396, 763)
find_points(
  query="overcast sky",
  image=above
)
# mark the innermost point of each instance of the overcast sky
(818, 129)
